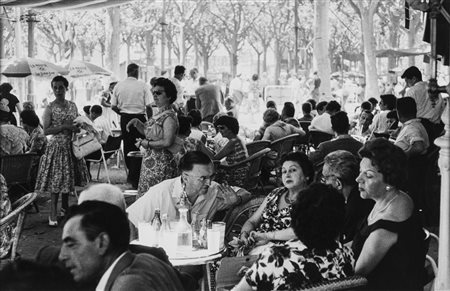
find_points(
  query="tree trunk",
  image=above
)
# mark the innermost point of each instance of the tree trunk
(258, 70)
(128, 52)
(197, 57)
(369, 55)
(205, 62)
(182, 59)
(321, 47)
(264, 67)
(413, 25)
(278, 57)
(112, 37)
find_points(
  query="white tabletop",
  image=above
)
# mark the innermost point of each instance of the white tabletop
(195, 257)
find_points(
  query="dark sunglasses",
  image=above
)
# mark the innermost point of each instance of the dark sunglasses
(157, 92)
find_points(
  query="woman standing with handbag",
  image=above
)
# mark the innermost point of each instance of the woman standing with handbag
(59, 170)
(158, 163)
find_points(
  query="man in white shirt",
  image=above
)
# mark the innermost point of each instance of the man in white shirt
(413, 138)
(179, 75)
(418, 90)
(237, 90)
(323, 122)
(101, 124)
(204, 196)
(131, 99)
(95, 251)
(388, 102)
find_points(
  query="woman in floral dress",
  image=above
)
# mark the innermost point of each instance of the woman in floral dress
(5, 209)
(59, 170)
(315, 255)
(271, 222)
(158, 163)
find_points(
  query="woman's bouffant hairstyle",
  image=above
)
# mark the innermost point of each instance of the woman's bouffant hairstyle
(390, 160)
(304, 163)
(60, 79)
(29, 118)
(230, 122)
(169, 88)
(318, 216)
(271, 115)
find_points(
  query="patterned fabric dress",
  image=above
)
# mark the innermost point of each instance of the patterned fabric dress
(37, 141)
(12, 140)
(236, 177)
(59, 170)
(292, 266)
(273, 218)
(5, 208)
(157, 164)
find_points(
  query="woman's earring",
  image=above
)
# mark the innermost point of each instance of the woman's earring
(388, 188)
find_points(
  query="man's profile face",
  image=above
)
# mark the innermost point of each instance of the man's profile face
(199, 178)
(80, 255)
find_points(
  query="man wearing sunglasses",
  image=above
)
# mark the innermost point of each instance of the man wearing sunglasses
(204, 196)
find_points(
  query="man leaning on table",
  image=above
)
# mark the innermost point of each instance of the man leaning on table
(205, 197)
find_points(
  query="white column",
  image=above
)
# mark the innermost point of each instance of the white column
(443, 278)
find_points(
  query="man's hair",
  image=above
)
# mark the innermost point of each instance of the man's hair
(389, 100)
(98, 217)
(366, 106)
(196, 116)
(333, 106)
(321, 105)
(132, 69)
(30, 118)
(179, 70)
(344, 165)
(184, 124)
(288, 109)
(340, 123)
(406, 107)
(373, 101)
(271, 115)
(312, 102)
(412, 72)
(192, 158)
(202, 81)
(5, 88)
(392, 114)
(97, 109)
(87, 109)
(307, 107)
(271, 104)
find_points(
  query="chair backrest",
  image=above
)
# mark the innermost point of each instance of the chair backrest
(350, 283)
(284, 144)
(254, 170)
(14, 220)
(112, 143)
(256, 146)
(16, 168)
(305, 125)
(316, 137)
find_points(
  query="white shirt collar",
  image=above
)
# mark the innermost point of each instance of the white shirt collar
(102, 283)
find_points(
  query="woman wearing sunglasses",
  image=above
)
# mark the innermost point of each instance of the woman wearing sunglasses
(234, 151)
(158, 163)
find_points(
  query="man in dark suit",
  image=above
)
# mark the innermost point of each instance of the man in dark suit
(343, 141)
(208, 98)
(95, 249)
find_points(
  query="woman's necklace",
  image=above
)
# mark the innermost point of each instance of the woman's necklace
(286, 198)
(374, 213)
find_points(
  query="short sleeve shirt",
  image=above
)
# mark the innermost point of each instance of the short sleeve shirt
(131, 96)
(412, 131)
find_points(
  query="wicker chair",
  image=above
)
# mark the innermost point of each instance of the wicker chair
(15, 220)
(256, 146)
(254, 171)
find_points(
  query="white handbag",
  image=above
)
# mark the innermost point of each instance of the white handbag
(84, 143)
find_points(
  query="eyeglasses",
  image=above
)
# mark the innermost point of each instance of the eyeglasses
(202, 178)
(157, 92)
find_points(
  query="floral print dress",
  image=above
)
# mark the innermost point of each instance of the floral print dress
(157, 164)
(273, 218)
(292, 266)
(59, 170)
(5, 208)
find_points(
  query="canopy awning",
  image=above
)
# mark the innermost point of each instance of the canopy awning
(63, 4)
(384, 53)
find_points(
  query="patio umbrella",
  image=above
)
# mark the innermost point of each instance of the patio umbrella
(23, 67)
(81, 69)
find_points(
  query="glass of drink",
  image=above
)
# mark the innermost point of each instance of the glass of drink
(145, 233)
(220, 227)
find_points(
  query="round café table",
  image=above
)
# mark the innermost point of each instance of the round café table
(202, 258)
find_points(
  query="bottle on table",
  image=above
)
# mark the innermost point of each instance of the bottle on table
(156, 225)
(184, 232)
